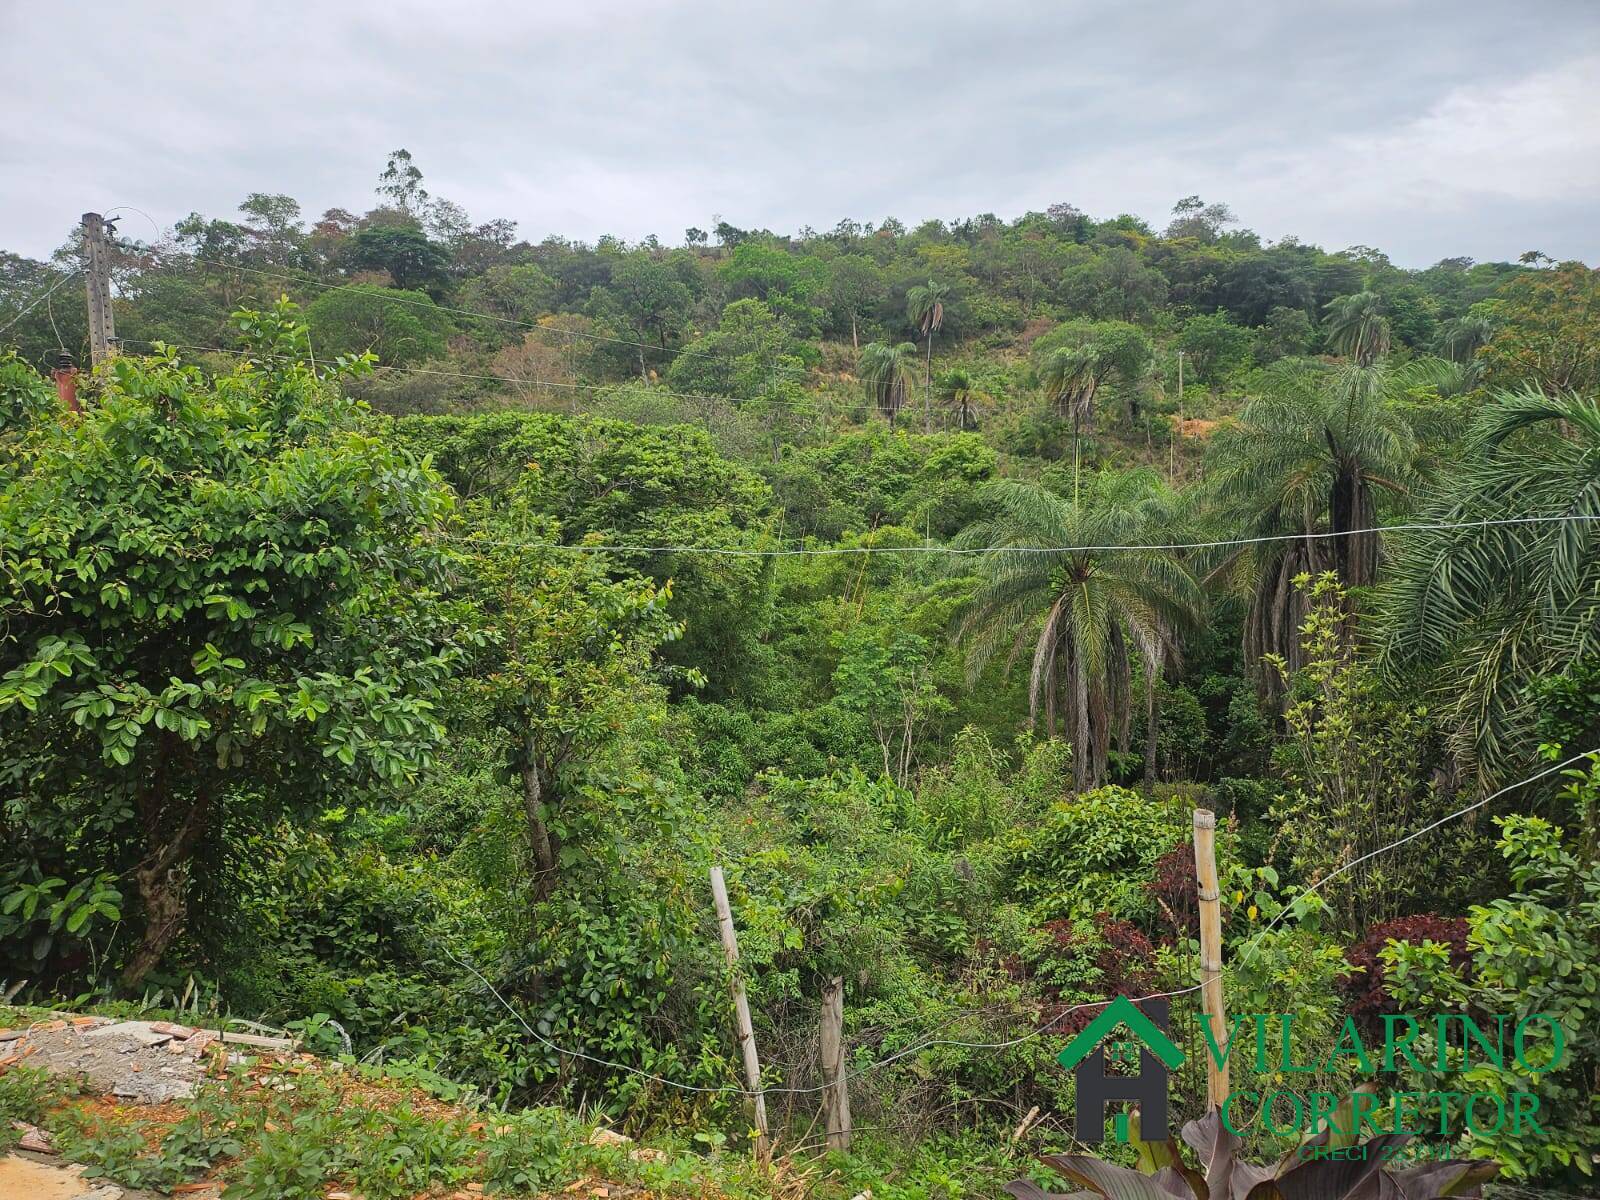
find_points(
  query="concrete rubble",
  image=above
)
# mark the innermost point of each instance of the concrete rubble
(147, 1062)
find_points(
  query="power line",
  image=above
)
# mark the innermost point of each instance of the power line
(519, 382)
(919, 548)
(925, 548)
(1411, 837)
(38, 300)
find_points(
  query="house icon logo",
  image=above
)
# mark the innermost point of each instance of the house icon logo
(1154, 1052)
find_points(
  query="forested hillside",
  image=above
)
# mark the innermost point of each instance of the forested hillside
(414, 614)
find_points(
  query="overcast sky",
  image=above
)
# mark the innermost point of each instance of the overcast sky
(1425, 128)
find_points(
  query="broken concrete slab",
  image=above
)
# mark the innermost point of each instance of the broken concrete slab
(123, 1058)
(132, 1034)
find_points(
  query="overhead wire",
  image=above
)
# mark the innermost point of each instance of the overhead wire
(928, 548)
(921, 547)
(38, 300)
(925, 548)
(519, 382)
(918, 1047)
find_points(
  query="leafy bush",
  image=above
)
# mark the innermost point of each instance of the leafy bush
(1368, 989)
(26, 1095)
(1094, 853)
(1536, 951)
(532, 1151)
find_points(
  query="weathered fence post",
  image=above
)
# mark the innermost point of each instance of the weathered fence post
(741, 1011)
(836, 1093)
(1205, 866)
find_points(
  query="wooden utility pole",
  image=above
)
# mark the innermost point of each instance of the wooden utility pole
(1205, 866)
(97, 281)
(741, 1010)
(836, 1093)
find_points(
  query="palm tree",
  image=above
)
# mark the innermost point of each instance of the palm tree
(961, 391)
(1312, 456)
(925, 309)
(1090, 613)
(886, 370)
(1357, 327)
(1446, 378)
(1070, 377)
(1461, 337)
(1481, 612)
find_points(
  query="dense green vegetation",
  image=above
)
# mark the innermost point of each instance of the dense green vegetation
(415, 614)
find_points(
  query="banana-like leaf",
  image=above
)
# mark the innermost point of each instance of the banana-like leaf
(1183, 1181)
(1208, 1137)
(1443, 1180)
(1227, 1177)
(1329, 1178)
(1153, 1156)
(1027, 1189)
(1114, 1182)
(1380, 1185)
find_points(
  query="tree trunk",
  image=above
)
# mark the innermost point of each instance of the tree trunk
(161, 896)
(831, 1050)
(1350, 508)
(1083, 753)
(163, 874)
(540, 840)
(927, 389)
(855, 343)
(1150, 727)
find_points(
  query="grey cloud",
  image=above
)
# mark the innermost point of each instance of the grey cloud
(645, 118)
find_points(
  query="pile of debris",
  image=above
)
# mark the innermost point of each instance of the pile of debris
(146, 1062)
(140, 1062)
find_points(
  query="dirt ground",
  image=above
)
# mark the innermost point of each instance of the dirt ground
(141, 1062)
(26, 1176)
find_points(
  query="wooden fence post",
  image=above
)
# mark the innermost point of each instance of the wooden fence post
(1205, 866)
(836, 1093)
(741, 1011)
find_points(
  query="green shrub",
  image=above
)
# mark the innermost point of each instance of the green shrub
(532, 1151)
(26, 1095)
(1093, 853)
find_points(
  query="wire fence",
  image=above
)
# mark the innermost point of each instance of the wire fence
(1294, 907)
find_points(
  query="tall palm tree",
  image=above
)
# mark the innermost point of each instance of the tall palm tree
(1446, 378)
(1357, 327)
(960, 390)
(1070, 377)
(925, 310)
(1481, 612)
(886, 370)
(1460, 337)
(1089, 613)
(1313, 455)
